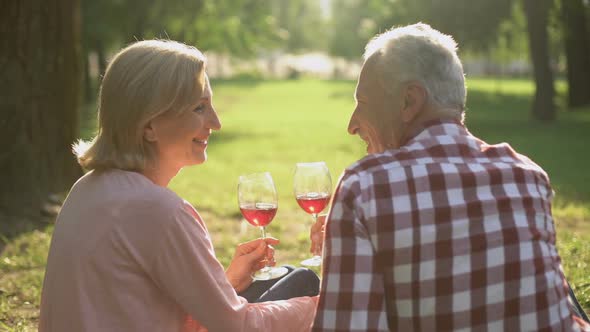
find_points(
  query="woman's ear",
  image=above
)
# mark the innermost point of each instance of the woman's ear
(149, 134)
(414, 99)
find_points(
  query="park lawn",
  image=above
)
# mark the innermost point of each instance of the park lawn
(271, 125)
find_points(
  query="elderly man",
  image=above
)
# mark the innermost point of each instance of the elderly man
(436, 230)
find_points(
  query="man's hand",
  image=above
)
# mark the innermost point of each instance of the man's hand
(316, 235)
(248, 258)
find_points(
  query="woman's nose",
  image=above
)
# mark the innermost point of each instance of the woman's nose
(214, 122)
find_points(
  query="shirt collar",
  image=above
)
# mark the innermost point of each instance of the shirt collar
(438, 127)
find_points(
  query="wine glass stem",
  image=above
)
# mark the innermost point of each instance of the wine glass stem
(263, 229)
(315, 219)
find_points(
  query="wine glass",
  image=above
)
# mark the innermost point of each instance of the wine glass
(257, 198)
(312, 185)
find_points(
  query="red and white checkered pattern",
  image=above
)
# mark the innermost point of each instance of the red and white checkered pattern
(447, 233)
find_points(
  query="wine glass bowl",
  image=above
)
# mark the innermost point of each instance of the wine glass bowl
(259, 214)
(312, 186)
(258, 202)
(313, 202)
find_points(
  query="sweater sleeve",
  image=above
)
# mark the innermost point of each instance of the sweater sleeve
(185, 267)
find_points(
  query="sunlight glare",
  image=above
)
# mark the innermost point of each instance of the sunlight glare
(326, 8)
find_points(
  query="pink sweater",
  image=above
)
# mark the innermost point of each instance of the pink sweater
(127, 255)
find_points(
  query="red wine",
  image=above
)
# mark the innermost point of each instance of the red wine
(313, 202)
(259, 214)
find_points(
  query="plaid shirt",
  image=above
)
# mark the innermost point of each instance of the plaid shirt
(445, 233)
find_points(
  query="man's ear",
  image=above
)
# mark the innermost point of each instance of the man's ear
(414, 99)
(149, 134)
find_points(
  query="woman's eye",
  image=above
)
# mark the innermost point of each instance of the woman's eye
(200, 108)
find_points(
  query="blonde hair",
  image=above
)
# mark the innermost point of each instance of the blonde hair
(420, 53)
(144, 80)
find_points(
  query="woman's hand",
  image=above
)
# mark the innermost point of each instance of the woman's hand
(316, 235)
(250, 257)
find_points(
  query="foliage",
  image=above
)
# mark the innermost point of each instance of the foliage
(242, 27)
(221, 25)
(473, 23)
(511, 42)
(248, 27)
(353, 27)
(485, 28)
(272, 125)
(301, 25)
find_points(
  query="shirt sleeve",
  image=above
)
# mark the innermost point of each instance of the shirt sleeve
(352, 289)
(185, 267)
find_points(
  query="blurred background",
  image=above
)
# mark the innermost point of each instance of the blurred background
(283, 73)
(54, 53)
(325, 38)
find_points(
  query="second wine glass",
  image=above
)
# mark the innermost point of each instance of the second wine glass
(258, 202)
(312, 186)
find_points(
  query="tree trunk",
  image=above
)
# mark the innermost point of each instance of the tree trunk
(39, 99)
(102, 59)
(88, 91)
(537, 13)
(577, 50)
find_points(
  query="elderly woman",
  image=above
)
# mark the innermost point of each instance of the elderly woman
(127, 253)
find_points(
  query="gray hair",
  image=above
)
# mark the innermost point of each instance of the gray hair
(420, 53)
(144, 80)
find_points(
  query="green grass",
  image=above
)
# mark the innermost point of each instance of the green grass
(22, 265)
(271, 125)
